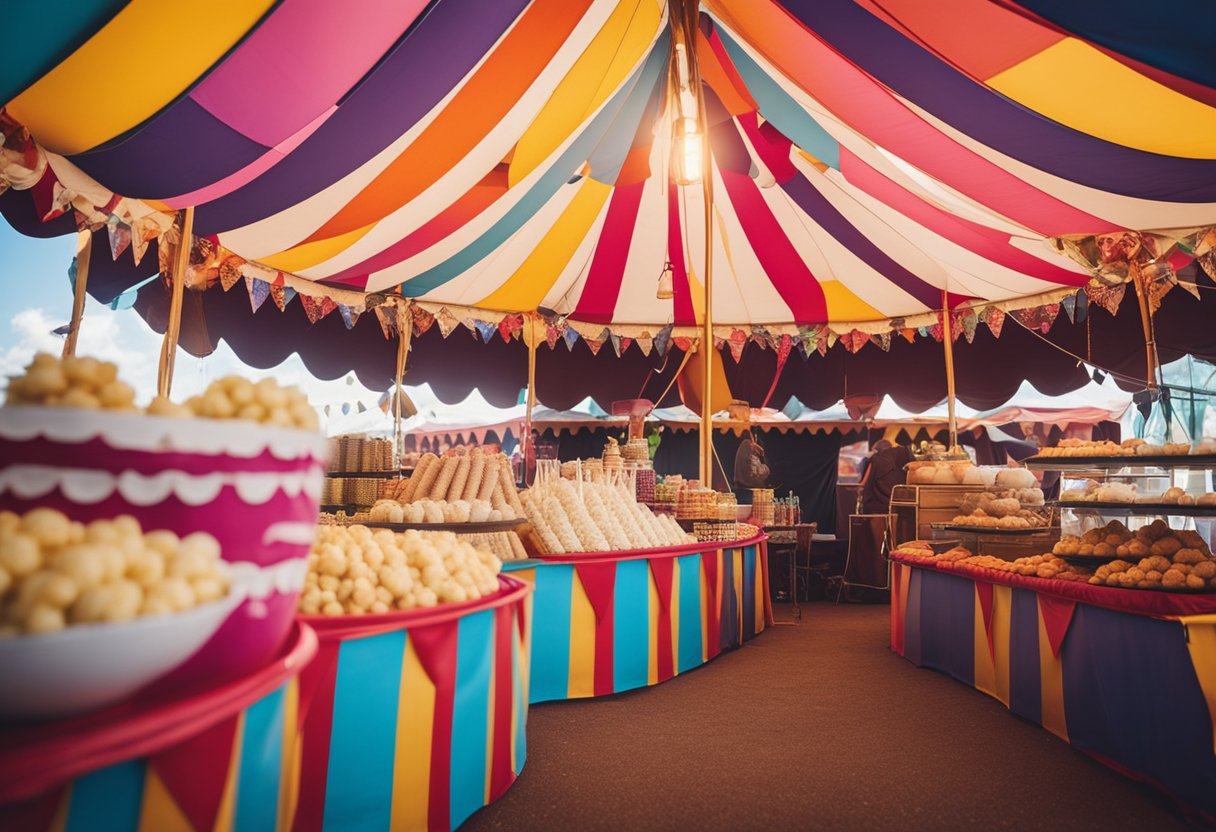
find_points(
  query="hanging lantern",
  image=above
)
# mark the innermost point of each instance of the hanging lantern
(666, 290)
(686, 148)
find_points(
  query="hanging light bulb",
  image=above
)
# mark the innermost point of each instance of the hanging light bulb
(666, 290)
(686, 152)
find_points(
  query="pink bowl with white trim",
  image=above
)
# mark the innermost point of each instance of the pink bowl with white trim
(255, 488)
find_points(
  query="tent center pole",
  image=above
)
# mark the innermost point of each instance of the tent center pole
(1146, 320)
(948, 340)
(181, 260)
(405, 335)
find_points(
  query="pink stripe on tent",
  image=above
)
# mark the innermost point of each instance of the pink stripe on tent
(598, 299)
(311, 53)
(868, 107)
(786, 270)
(986, 242)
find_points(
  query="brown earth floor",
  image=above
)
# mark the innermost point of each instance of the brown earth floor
(815, 725)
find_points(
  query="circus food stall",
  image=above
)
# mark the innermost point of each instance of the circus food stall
(608, 198)
(151, 561)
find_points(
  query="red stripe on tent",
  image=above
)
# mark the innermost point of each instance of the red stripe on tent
(662, 570)
(316, 714)
(786, 270)
(1057, 616)
(195, 772)
(980, 239)
(685, 313)
(502, 775)
(436, 647)
(599, 582)
(713, 602)
(598, 300)
(983, 590)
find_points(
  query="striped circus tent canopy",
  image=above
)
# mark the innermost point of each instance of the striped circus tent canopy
(493, 157)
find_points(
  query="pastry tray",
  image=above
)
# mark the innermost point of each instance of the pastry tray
(1168, 509)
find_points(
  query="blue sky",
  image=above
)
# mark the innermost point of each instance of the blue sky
(38, 298)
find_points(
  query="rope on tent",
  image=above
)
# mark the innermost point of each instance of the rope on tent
(181, 260)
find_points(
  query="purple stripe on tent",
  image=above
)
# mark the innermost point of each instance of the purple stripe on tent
(1025, 690)
(180, 150)
(996, 121)
(947, 618)
(1120, 667)
(439, 50)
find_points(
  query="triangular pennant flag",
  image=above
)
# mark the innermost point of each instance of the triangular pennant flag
(570, 336)
(995, 318)
(552, 335)
(229, 275)
(971, 322)
(504, 329)
(422, 319)
(594, 345)
(312, 309)
(278, 291)
(662, 340)
(1070, 308)
(258, 290)
(616, 344)
(387, 317)
(1082, 305)
(738, 340)
(447, 322)
(350, 316)
(485, 329)
(360, 408)
(1108, 297)
(883, 339)
(937, 331)
(923, 331)
(289, 294)
(784, 346)
(853, 341)
(821, 343)
(120, 236)
(1157, 290)
(682, 344)
(327, 305)
(909, 335)
(645, 345)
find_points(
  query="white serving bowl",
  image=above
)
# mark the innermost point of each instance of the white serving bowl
(90, 666)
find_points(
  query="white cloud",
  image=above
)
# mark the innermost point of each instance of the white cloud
(123, 338)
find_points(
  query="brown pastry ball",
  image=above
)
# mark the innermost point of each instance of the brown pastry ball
(1104, 550)
(1205, 569)
(1119, 566)
(1137, 548)
(1188, 556)
(1085, 549)
(1153, 576)
(1195, 582)
(1173, 578)
(1166, 546)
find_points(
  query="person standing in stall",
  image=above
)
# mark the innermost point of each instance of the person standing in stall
(885, 471)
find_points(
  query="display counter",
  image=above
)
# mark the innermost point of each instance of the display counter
(1126, 676)
(611, 622)
(223, 758)
(415, 720)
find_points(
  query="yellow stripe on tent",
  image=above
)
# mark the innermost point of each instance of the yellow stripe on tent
(582, 642)
(154, 52)
(1201, 642)
(225, 818)
(485, 799)
(527, 287)
(1051, 682)
(603, 66)
(412, 755)
(1075, 84)
(984, 672)
(293, 747)
(305, 256)
(1002, 611)
(159, 811)
(843, 305)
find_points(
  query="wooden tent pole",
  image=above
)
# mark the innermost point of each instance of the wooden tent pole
(405, 335)
(533, 341)
(84, 253)
(181, 260)
(1146, 320)
(948, 340)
